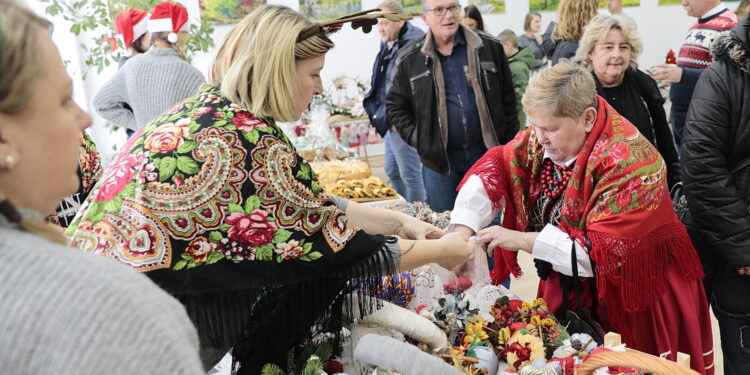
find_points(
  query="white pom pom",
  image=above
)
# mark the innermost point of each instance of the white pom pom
(172, 38)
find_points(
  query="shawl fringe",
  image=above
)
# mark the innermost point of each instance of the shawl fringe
(631, 272)
(263, 324)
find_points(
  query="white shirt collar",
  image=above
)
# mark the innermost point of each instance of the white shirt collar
(561, 164)
(715, 10)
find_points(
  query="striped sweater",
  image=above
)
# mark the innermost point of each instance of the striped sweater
(696, 51)
(695, 55)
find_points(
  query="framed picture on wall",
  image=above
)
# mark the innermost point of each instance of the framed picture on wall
(543, 4)
(413, 7)
(625, 3)
(489, 6)
(228, 11)
(327, 9)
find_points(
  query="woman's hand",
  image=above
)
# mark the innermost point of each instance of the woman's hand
(538, 37)
(455, 249)
(497, 236)
(415, 229)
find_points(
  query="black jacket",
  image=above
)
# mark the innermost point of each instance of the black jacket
(655, 126)
(374, 101)
(415, 102)
(716, 155)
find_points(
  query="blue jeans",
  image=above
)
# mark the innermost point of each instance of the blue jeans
(403, 168)
(441, 188)
(730, 302)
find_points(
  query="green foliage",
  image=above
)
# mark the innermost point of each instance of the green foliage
(271, 369)
(97, 17)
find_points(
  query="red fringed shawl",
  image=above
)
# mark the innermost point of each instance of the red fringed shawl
(617, 197)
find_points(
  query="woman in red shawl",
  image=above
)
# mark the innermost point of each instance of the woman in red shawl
(583, 177)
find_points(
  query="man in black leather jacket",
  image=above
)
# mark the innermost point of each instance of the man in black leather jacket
(452, 98)
(716, 174)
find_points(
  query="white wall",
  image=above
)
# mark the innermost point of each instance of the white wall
(661, 28)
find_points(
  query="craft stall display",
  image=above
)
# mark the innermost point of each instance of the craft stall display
(434, 321)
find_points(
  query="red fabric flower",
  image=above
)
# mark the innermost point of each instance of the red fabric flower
(253, 229)
(120, 174)
(620, 152)
(623, 199)
(201, 111)
(246, 121)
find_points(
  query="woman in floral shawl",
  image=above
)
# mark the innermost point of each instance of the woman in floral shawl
(583, 177)
(213, 203)
(89, 172)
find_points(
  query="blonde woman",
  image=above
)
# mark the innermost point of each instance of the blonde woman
(65, 312)
(560, 40)
(585, 194)
(609, 48)
(213, 203)
(153, 81)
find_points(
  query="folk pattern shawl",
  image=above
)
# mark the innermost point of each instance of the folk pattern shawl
(617, 197)
(217, 208)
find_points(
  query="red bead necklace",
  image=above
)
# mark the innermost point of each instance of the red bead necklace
(552, 186)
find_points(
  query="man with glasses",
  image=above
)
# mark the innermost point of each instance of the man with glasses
(452, 98)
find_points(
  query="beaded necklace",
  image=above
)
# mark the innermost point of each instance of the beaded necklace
(554, 186)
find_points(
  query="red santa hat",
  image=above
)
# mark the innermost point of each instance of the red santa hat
(131, 24)
(169, 17)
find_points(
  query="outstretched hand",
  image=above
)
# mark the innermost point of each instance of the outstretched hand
(512, 240)
(415, 229)
(456, 249)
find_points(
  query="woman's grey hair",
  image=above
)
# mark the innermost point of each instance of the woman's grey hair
(564, 90)
(597, 30)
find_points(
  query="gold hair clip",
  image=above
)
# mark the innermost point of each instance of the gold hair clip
(364, 19)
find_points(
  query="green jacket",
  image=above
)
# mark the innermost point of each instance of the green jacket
(520, 64)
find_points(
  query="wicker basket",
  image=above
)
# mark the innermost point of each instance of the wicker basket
(634, 360)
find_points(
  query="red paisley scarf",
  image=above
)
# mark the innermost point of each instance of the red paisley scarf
(617, 197)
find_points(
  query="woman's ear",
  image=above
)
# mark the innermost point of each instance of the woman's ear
(589, 118)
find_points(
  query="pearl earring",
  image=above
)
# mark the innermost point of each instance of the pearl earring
(9, 161)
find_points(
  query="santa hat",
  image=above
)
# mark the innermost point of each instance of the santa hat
(131, 24)
(169, 17)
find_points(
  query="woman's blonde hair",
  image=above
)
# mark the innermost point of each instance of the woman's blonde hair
(20, 68)
(20, 65)
(572, 16)
(563, 90)
(598, 29)
(164, 37)
(255, 65)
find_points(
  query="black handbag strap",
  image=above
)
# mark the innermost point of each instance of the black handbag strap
(575, 281)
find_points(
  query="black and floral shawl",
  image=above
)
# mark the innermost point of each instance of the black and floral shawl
(218, 209)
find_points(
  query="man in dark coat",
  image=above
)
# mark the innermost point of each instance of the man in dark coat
(716, 174)
(402, 163)
(452, 98)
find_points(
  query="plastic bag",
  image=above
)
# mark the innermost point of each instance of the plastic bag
(470, 277)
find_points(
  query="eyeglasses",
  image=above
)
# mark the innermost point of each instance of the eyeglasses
(440, 11)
